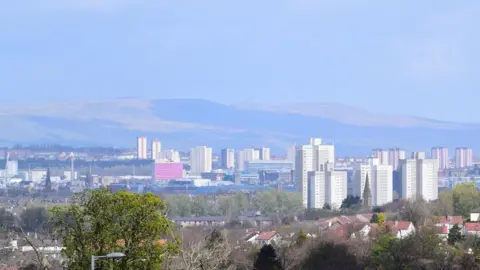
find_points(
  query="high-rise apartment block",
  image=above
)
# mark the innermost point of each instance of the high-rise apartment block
(310, 159)
(263, 153)
(303, 166)
(142, 147)
(409, 178)
(389, 157)
(427, 179)
(382, 155)
(419, 177)
(326, 187)
(245, 155)
(382, 184)
(170, 155)
(156, 149)
(359, 176)
(335, 188)
(441, 154)
(316, 189)
(394, 155)
(291, 154)
(463, 157)
(200, 159)
(380, 181)
(227, 157)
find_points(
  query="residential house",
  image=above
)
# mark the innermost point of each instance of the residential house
(400, 229)
(449, 221)
(475, 215)
(212, 221)
(441, 231)
(255, 218)
(361, 231)
(471, 228)
(267, 238)
(250, 236)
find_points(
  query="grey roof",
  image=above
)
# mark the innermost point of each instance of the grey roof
(198, 219)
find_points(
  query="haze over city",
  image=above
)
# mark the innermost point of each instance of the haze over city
(406, 58)
(252, 135)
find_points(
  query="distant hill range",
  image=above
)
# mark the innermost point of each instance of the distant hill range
(183, 123)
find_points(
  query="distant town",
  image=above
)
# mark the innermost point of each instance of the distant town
(311, 169)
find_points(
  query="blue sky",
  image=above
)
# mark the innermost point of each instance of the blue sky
(400, 57)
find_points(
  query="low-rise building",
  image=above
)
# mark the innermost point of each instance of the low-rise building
(449, 221)
(471, 228)
(212, 221)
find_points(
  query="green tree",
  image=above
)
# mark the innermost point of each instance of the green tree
(374, 218)
(7, 219)
(301, 238)
(455, 235)
(326, 206)
(351, 202)
(445, 200)
(381, 219)
(328, 255)
(99, 222)
(34, 219)
(267, 259)
(465, 198)
(273, 202)
(179, 205)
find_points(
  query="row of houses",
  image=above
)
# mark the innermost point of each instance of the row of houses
(254, 218)
(359, 227)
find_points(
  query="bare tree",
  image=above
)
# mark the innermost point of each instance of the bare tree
(208, 254)
(415, 211)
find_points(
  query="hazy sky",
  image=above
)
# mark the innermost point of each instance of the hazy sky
(408, 57)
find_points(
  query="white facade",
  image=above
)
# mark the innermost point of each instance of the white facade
(419, 178)
(427, 179)
(382, 184)
(200, 159)
(245, 155)
(323, 154)
(394, 156)
(142, 147)
(418, 155)
(312, 157)
(358, 178)
(68, 175)
(37, 175)
(463, 157)
(156, 149)
(316, 189)
(336, 188)
(12, 168)
(315, 141)
(303, 165)
(409, 178)
(291, 155)
(228, 158)
(170, 155)
(441, 154)
(264, 153)
(383, 156)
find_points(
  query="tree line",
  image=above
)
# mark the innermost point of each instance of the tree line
(270, 203)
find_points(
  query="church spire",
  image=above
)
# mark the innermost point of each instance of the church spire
(367, 194)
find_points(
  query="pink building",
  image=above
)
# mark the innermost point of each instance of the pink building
(167, 170)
